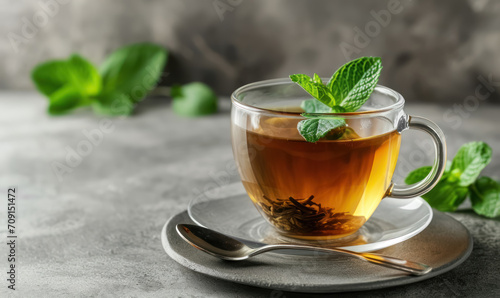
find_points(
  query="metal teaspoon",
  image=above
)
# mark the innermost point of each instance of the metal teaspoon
(227, 248)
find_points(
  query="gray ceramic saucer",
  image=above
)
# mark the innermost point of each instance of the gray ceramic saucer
(444, 244)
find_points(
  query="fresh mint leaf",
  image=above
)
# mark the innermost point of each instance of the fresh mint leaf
(128, 74)
(469, 161)
(318, 127)
(64, 100)
(67, 83)
(347, 91)
(314, 87)
(133, 70)
(317, 79)
(458, 182)
(75, 72)
(353, 83)
(193, 99)
(314, 106)
(113, 104)
(338, 109)
(446, 196)
(485, 197)
(314, 129)
(311, 106)
(418, 175)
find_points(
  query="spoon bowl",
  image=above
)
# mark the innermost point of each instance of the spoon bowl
(214, 243)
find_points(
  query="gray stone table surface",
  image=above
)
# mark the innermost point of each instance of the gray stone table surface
(90, 225)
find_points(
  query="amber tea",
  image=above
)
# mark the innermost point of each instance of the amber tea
(326, 189)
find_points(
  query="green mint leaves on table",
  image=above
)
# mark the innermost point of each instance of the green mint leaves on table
(67, 83)
(128, 75)
(485, 197)
(347, 90)
(460, 180)
(125, 77)
(193, 99)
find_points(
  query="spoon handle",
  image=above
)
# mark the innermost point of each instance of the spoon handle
(399, 264)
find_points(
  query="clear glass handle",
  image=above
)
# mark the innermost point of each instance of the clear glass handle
(424, 186)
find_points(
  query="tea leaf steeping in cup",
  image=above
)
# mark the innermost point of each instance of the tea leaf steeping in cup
(348, 89)
(306, 216)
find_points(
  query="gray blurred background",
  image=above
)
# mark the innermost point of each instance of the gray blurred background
(431, 50)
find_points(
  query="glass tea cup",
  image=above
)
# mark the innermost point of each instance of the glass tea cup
(328, 189)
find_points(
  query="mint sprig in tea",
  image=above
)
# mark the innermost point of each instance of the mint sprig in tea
(346, 91)
(322, 176)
